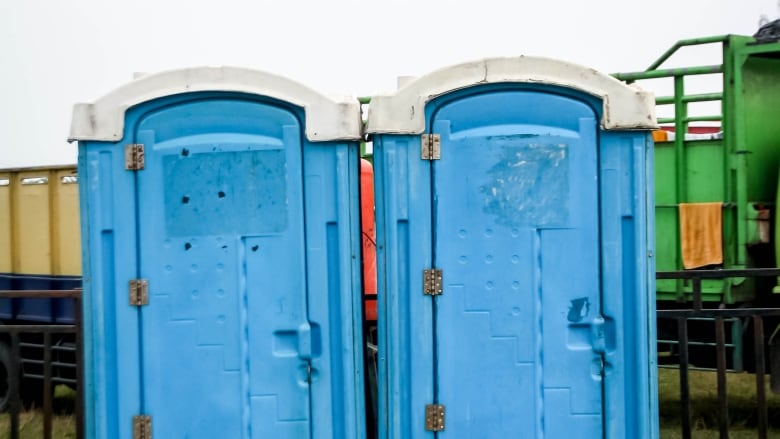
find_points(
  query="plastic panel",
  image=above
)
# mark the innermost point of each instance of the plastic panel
(245, 292)
(334, 278)
(111, 345)
(540, 222)
(631, 396)
(222, 243)
(516, 236)
(404, 249)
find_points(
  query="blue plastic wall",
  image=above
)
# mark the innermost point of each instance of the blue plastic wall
(249, 237)
(539, 220)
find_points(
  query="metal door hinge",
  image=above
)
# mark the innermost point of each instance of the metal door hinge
(432, 282)
(431, 147)
(142, 427)
(134, 157)
(434, 417)
(139, 292)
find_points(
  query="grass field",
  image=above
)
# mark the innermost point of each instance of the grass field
(31, 426)
(31, 421)
(704, 406)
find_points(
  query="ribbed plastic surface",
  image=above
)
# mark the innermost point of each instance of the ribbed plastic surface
(245, 231)
(539, 222)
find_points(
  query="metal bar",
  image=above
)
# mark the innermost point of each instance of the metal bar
(717, 313)
(721, 316)
(680, 126)
(758, 337)
(47, 390)
(675, 206)
(41, 168)
(736, 342)
(40, 294)
(668, 120)
(54, 379)
(38, 329)
(685, 391)
(703, 97)
(732, 165)
(13, 386)
(718, 274)
(681, 186)
(15, 404)
(763, 48)
(40, 347)
(705, 319)
(675, 342)
(697, 294)
(723, 404)
(712, 118)
(687, 42)
(53, 363)
(77, 313)
(669, 73)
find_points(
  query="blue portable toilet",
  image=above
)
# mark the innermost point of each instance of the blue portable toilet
(514, 229)
(221, 241)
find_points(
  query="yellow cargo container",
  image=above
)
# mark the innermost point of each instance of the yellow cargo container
(6, 264)
(39, 222)
(40, 249)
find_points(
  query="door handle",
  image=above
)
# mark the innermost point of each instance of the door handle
(603, 335)
(309, 341)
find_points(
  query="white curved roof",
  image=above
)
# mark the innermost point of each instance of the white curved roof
(625, 107)
(326, 118)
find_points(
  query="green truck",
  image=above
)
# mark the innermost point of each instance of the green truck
(719, 147)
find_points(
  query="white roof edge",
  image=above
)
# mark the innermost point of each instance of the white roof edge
(625, 107)
(326, 118)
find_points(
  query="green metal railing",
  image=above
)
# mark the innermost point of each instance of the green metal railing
(680, 100)
(682, 120)
(747, 163)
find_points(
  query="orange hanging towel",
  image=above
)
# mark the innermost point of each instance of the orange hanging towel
(701, 234)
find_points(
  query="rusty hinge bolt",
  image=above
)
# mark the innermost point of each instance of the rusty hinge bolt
(134, 157)
(434, 417)
(433, 282)
(430, 147)
(142, 427)
(139, 292)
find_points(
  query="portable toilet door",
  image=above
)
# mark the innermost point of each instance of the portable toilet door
(222, 243)
(512, 206)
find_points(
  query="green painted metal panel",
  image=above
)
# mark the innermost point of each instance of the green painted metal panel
(761, 100)
(740, 169)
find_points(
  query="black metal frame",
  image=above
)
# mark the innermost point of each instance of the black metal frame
(47, 330)
(681, 315)
(697, 311)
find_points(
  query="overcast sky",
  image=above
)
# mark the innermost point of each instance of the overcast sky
(55, 53)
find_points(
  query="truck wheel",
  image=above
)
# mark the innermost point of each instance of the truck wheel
(5, 367)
